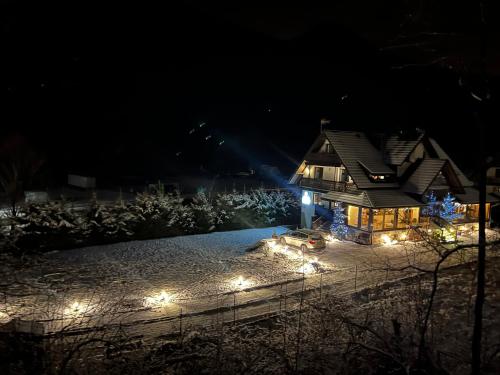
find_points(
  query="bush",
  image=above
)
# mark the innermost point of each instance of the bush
(57, 225)
(160, 214)
(103, 223)
(48, 225)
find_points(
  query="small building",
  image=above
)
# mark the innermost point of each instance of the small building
(83, 182)
(382, 181)
(493, 179)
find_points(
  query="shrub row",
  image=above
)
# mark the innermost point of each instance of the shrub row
(59, 225)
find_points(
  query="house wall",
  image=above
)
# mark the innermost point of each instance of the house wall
(491, 172)
(329, 173)
(323, 147)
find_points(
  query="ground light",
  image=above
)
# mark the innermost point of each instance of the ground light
(306, 268)
(161, 299)
(4, 318)
(312, 266)
(240, 283)
(387, 240)
(78, 309)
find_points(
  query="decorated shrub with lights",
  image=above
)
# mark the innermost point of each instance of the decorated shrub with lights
(432, 207)
(339, 228)
(447, 209)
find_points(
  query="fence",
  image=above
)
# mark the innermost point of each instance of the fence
(144, 327)
(259, 302)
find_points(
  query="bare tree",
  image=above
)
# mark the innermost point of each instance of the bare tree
(18, 165)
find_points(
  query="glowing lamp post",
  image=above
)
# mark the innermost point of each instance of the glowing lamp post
(306, 198)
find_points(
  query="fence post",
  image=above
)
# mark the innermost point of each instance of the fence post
(217, 308)
(234, 308)
(355, 277)
(286, 291)
(281, 295)
(321, 287)
(180, 324)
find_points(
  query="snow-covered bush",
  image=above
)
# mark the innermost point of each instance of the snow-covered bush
(47, 225)
(204, 213)
(102, 221)
(224, 206)
(161, 214)
(270, 207)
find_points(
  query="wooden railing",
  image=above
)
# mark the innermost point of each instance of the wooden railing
(493, 180)
(319, 184)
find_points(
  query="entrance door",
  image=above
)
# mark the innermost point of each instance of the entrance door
(318, 173)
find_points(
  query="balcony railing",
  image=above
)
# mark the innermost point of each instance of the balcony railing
(493, 180)
(325, 185)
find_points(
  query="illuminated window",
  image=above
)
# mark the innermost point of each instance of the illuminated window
(473, 211)
(318, 173)
(378, 219)
(317, 198)
(352, 216)
(408, 216)
(389, 218)
(403, 217)
(365, 218)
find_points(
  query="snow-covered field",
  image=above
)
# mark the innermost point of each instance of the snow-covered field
(189, 267)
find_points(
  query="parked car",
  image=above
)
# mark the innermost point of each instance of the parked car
(303, 238)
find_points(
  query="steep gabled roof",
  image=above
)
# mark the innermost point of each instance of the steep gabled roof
(391, 198)
(375, 198)
(471, 196)
(358, 154)
(420, 180)
(397, 148)
(443, 155)
(358, 199)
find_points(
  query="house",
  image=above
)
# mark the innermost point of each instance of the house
(383, 182)
(493, 179)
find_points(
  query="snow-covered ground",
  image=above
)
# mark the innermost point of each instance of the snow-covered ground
(191, 268)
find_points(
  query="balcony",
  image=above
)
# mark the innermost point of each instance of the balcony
(495, 181)
(318, 184)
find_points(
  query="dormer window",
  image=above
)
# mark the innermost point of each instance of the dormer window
(380, 177)
(328, 148)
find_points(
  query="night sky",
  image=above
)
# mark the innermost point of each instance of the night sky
(114, 90)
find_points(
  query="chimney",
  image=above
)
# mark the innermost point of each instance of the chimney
(324, 121)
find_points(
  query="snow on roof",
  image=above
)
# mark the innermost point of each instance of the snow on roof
(423, 176)
(375, 198)
(354, 148)
(398, 147)
(472, 196)
(443, 155)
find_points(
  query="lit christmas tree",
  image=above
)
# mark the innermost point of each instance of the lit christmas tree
(447, 209)
(432, 208)
(339, 228)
